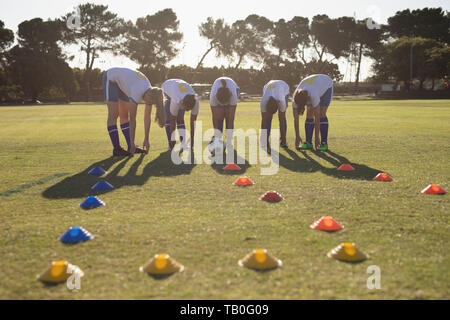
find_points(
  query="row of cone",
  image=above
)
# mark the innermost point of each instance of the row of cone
(92, 202)
(162, 264)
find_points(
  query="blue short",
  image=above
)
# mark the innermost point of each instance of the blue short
(111, 90)
(325, 99)
(167, 108)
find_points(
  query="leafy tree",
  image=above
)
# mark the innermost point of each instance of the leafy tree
(432, 23)
(37, 62)
(100, 31)
(152, 40)
(218, 34)
(245, 42)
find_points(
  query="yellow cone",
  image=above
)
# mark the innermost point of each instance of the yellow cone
(259, 259)
(56, 273)
(162, 264)
(347, 251)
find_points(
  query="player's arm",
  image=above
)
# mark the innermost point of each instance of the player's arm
(193, 119)
(317, 127)
(298, 139)
(282, 120)
(133, 113)
(147, 123)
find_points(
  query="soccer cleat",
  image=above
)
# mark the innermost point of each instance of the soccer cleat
(120, 152)
(323, 146)
(306, 146)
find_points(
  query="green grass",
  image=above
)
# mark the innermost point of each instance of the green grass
(195, 214)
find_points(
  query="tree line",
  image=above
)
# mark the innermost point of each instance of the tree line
(412, 48)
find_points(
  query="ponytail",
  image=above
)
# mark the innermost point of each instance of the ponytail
(156, 95)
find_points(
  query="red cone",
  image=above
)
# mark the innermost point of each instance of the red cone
(346, 167)
(243, 181)
(326, 223)
(383, 176)
(271, 196)
(232, 167)
(434, 189)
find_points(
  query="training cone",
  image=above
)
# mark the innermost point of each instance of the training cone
(57, 272)
(102, 185)
(232, 167)
(346, 167)
(97, 171)
(243, 181)
(382, 176)
(162, 264)
(76, 234)
(271, 196)
(347, 251)
(434, 189)
(326, 223)
(259, 259)
(91, 202)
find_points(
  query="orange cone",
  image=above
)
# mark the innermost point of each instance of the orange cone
(232, 167)
(326, 223)
(346, 167)
(271, 196)
(383, 176)
(434, 189)
(243, 181)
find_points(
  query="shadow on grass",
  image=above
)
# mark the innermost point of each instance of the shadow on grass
(79, 185)
(308, 164)
(160, 276)
(241, 162)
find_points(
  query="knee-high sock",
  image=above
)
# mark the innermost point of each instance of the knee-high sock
(126, 132)
(181, 129)
(114, 136)
(220, 125)
(168, 130)
(309, 129)
(324, 129)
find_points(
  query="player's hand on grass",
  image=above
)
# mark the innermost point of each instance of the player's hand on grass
(132, 148)
(317, 143)
(298, 141)
(146, 146)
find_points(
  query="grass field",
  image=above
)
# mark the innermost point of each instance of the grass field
(194, 213)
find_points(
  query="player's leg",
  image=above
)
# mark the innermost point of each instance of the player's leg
(309, 128)
(181, 126)
(229, 116)
(218, 115)
(111, 93)
(323, 129)
(125, 120)
(325, 101)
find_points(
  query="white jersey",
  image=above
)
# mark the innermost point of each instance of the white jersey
(132, 82)
(279, 90)
(176, 90)
(316, 85)
(230, 85)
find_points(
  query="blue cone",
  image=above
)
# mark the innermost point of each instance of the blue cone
(97, 171)
(91, 202)
(76, 234)
(102, 185)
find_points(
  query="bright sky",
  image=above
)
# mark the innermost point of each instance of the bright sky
(192, 13)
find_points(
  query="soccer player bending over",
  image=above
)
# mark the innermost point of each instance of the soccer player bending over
(123, 89)
(223, 101)
(315, 92)
(179, 98)
(275, 99)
